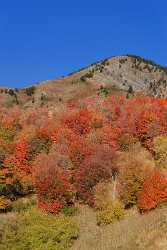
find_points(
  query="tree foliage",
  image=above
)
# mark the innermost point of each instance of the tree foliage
(52, 184)
(154, 191)
(62, 154)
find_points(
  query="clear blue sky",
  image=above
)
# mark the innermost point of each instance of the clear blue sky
(42, 40)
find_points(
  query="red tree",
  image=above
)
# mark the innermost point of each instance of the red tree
(52, 184)
(79, 122)
(154, 191)
(97, 167)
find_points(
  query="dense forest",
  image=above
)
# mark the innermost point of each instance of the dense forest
(109, 153)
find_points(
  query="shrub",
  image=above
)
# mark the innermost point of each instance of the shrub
(23, 204)
(10, 189)
(154, 191)
(18, 167)
(38, 145)
(103, 193)
(79, 122)
(19, 160)
(83, 78)
(135, 167)
(150, 124)
(109, 213)
(11, 92)
(130, 90)
(104, 91)
(109, 209)
(30, 91)
(36, 230)
(7, 133)
(69, 210)
(96, 168)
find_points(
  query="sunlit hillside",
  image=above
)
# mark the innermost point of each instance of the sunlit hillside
(83, 160)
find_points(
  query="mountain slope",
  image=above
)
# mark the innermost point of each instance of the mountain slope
(121, 74)
(128, 71)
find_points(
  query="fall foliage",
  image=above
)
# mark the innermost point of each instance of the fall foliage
(62, 156)
(154, 191)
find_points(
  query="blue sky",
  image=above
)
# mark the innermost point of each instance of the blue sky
(42, 40)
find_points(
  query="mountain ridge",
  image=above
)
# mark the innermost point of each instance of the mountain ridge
(127, 74)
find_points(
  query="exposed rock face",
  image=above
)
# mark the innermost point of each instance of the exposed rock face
(130, 72)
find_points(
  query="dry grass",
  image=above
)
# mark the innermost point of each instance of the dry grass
(135, 232)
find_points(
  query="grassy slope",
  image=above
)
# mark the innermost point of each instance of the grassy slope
(135, 232)
(34, 230)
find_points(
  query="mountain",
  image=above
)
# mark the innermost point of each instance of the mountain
(125, 75)
(91, 175)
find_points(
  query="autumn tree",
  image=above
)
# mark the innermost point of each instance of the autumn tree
(134, 168)
(79, 122)
(154, 191)
(96, 168)
(52, 184)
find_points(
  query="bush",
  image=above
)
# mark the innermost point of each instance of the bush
(154, 191)
(39, 231)
(30, 91)
(69, 210)
(23, 204)
(19, 169)
(109, 213)
(7, 133)
(109, 209)
(104, 90)
(103, 193)
(79, 122)
(135, 167)
(38, 145)
(12, 190)
(96, 168)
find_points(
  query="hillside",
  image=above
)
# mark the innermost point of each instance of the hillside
(83, 160)
(147, 232)
(115, 75)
